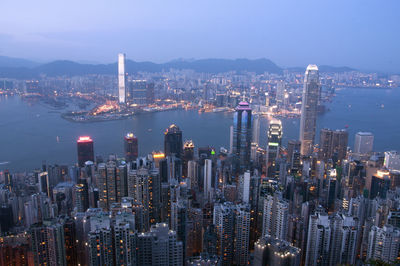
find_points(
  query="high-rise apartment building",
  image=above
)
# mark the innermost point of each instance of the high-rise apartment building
(309, 106)
(275, 216)
(48, 243)
(224, 221)
(159, 246)
(242, 235)
(269, 251)
(383, 243)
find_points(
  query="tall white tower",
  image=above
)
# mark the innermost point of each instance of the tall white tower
(309, 106)
(121, 79)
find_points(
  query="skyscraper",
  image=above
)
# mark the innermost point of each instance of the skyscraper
(188, 155)
(207, 178)
(333, 144)
(81, 196)
(364, 143)
(242, 136)
(138, 92)
(280, 93)
(242, 234)
(318, 240)
(121, 79)
(173, 141)
(85, 150)
(131, 147)
(273, 145)
(309, 109)
(256, 130)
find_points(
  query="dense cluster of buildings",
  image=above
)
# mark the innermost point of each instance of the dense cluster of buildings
(303, 203)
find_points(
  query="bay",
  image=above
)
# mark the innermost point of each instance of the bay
(32, 133)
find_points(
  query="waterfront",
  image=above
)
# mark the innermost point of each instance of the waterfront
(31, 133)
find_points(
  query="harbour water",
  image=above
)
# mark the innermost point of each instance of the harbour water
(32, 133)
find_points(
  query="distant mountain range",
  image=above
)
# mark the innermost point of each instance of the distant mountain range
(25, 69)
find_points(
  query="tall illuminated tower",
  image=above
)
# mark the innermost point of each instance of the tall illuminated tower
(274, 135)
(131, 147)
(242, 136)
(121, 79)
(309, 105)
(85, 150)
(173, 141)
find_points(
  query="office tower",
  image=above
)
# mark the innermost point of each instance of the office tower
(242, 235)
(245, 187)
(224, 221)
(256, 130)
(150, 93)
(48, 243)
(318, 240)
(274, 141)
(85, 150)
(138, 92)
(159, 247)
(333, 145)
(242, 131)
(275, 216)
(81, 197)
(121, 79)
(333, 187)
(192, 175)
(383, 243)
(230, 139)
(380, 184)
(280, 93)
(179, 222)
(188, 155)
(293, 146)
(207, 188)
(131, 147)
(392, 160)
(173, 141)
(363, 143)
(269, 251)
(309, 105)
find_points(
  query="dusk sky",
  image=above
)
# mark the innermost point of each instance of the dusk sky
(364, 34)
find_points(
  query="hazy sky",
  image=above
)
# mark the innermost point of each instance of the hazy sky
(357, 33)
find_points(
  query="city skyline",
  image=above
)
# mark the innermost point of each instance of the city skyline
(285, 153)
